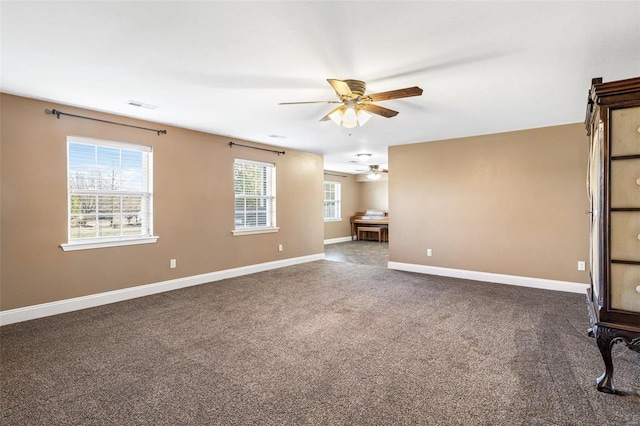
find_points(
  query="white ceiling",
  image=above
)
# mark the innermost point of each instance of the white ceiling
(223, 67)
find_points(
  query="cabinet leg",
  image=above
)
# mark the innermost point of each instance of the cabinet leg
(604, 383)
(607, 337)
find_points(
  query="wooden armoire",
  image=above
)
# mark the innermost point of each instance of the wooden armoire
(613, 184)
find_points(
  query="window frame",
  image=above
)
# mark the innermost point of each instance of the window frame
(145, 192)
(337, 200)
(268, 184)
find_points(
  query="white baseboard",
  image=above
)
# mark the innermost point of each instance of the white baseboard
(68, 305)
(567, 286)
(337, 240)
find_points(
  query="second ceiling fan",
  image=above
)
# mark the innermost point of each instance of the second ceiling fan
(374, 172)
(356, 107)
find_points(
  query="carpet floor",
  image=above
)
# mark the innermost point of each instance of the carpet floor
(361, 252)
(322, 343)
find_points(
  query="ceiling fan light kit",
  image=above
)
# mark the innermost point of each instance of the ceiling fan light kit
(373, 175)
(363, 117)
(350, 117)
(357, 108)
(336, 116)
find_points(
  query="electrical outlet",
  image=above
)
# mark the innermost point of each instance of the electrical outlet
(429, 253)
(581, 266)
(279, 247)
(172, 263)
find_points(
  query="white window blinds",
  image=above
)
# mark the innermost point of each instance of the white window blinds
(109, 190)
(331, 201)
(255, 195)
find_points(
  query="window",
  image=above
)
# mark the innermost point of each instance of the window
(332, 201)
(109, 194)
(255, 193)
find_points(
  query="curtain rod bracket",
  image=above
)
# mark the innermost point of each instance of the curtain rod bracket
(231, 144)
(58, 113)
(53, 112)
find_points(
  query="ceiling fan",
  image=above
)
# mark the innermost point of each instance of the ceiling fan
(375, 172)
(356, 107)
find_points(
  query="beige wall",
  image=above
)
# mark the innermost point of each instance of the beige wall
(349, 204)
(511, 203)
(374, 195)
(193, 207)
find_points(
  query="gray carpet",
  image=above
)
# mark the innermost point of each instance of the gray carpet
(361, 252)
(325, 343)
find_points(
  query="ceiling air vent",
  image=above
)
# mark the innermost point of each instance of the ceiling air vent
(141, 105)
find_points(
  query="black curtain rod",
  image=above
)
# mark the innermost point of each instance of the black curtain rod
(332, 174)
(59, 113)
(231, 144)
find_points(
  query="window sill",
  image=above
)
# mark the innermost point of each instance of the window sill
(251, 231)
(87, 245)
(333, 220)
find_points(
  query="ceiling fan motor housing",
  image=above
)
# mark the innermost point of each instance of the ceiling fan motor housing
(357, 87)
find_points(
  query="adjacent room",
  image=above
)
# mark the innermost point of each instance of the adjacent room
(323, 212)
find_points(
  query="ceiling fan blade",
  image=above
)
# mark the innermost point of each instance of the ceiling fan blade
(375, 109)
(326, 117)
(309, 102)
(341, 87)
(395, 94)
